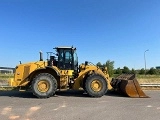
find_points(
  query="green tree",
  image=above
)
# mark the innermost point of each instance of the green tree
(142, 71)
(110, 66)
(152, 71)
(125, 70)
(99, 64)
(133, 71)
(158, 71)
(118, 71)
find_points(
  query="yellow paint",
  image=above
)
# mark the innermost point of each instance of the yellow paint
(66, 72)
(21, 77)
(43, 86)
(88, 70)
(96, 86)
(23, 71)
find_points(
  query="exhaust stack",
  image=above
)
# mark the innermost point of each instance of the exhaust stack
(41, 56)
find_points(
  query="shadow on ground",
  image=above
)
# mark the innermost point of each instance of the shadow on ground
(68, 93)
(82, 93)
(72, 93)
(16, 94)
(26, 94)
(115, 94)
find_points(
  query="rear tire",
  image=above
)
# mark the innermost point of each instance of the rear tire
(96, 85)
(44, 85)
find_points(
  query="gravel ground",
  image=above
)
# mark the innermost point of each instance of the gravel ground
(77, 106)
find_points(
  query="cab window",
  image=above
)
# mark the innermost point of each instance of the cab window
(68, 56)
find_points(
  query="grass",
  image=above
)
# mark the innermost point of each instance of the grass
(6, 76)
(4, 79)
(145, 78)
(148, 78)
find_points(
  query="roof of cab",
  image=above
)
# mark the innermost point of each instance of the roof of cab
(64, 47)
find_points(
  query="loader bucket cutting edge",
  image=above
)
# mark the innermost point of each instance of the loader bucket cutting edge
(128, 85)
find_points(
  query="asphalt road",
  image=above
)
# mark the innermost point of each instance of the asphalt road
(78, 106)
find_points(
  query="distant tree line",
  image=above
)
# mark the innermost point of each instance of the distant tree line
(111, 70)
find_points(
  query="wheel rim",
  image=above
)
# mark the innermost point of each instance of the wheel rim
(43, 86)
(96, 85)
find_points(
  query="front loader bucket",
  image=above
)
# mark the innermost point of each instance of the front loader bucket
(128, 85)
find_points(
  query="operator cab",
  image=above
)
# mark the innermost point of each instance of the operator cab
(67, 58)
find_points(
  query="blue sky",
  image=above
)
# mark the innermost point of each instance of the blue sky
(116, 30)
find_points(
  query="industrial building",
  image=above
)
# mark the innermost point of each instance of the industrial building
(158, 67)
(7, 70)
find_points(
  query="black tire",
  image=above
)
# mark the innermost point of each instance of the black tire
(44, 79)
(84, 81)
(100, 81)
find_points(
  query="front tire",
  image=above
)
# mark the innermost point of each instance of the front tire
(44, 85)
(96, 85)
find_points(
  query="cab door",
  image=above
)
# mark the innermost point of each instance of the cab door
(68, 61)
(65, 59)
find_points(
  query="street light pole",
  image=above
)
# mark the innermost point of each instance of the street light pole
(145, 59)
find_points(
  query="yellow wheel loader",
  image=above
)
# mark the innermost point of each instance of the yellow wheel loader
(61, 72)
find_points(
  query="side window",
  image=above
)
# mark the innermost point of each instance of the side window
(61, 55)
(75, 58)
(68, 56)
